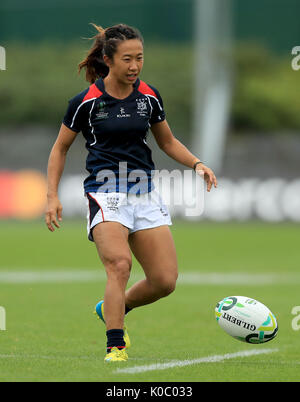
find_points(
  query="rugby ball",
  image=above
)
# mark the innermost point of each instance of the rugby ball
(246, 319)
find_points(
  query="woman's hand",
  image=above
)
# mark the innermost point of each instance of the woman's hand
(207, 174)
(53, 212)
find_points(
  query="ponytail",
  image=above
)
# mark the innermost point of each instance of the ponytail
(105, 42)
(94, 63)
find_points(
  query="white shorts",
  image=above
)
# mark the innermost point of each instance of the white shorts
(136, 212)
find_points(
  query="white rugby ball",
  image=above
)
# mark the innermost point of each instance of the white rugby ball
(246, 319)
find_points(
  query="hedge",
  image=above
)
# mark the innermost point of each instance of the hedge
(39, 81)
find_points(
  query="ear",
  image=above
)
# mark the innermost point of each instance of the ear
(107, 60)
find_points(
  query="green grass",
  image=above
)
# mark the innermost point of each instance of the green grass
(52, 334)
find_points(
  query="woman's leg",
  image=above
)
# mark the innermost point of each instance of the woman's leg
(111, 239)
(155, 251)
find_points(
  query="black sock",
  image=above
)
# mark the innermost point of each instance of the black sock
(115, 338)
(127, 309)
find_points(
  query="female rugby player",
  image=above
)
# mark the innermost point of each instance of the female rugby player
(114, 114)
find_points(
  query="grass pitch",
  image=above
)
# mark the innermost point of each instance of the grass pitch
(50, 283)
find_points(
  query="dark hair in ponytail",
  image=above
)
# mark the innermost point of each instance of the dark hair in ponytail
(105, 42)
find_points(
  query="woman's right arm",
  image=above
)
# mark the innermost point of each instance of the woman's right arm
(56, 165)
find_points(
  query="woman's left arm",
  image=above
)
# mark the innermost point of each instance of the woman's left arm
(177, 151)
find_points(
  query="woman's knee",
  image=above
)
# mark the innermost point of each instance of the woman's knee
(166, 284)
(118, 267)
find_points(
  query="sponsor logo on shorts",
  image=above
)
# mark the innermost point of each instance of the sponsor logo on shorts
(164, 212)
(112, 203)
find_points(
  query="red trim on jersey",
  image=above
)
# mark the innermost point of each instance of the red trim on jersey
(145, 89)
(93, 92)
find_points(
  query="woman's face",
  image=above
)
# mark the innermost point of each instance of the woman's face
(127, 62)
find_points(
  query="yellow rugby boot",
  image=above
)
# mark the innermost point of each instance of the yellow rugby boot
(116, 355)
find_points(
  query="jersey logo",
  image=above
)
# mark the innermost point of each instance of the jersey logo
(122, 113)
(101, 113)
(142, 107)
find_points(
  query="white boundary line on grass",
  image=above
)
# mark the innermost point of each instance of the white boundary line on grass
(69, 275)
(183, 363)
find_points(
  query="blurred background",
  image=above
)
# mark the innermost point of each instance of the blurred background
(228, 72)
(224, 70)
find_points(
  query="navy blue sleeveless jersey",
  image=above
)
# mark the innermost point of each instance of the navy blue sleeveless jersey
(115, 130)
